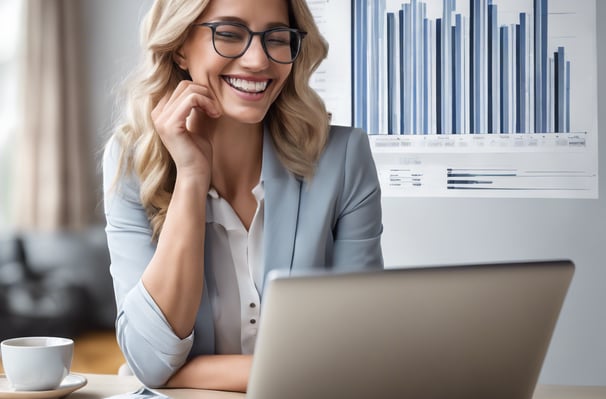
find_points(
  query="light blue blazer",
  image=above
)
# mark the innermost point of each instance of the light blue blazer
(332, 222)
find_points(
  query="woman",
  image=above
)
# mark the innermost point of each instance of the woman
(226, 168)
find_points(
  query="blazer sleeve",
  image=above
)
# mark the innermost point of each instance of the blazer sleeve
(358, 228)
(152, 350)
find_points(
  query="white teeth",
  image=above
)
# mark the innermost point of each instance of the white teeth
(247, 85)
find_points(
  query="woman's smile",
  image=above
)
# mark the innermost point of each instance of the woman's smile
(247, 85)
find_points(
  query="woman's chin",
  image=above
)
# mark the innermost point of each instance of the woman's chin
(247, 118)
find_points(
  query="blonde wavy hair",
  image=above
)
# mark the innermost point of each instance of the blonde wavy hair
(297, 120)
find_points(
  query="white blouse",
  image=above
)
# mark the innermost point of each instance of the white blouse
(234, 260)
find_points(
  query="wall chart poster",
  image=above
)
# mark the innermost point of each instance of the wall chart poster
(467, 98)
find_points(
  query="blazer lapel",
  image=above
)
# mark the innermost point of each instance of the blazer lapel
(282, 196)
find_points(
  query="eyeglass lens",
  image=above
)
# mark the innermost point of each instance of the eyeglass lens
(281, 45)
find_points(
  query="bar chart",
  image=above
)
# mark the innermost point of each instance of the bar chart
(465, 72)
(467, 98)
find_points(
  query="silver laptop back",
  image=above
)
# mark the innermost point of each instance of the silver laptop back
(479, 331)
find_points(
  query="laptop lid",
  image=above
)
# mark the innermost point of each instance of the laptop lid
(477, 331)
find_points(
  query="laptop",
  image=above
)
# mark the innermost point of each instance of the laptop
(465, 331)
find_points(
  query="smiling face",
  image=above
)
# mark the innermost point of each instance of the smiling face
(245, 87)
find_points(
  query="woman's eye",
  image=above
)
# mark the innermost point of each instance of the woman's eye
(278, 39)
(229, 35)
(275, 42)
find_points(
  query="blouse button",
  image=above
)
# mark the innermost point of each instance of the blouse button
(253, 321)
(253, 305)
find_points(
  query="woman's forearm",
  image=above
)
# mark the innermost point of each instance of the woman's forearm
(219, 372)
(175, 276)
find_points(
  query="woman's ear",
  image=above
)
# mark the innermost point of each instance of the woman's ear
(180, 60)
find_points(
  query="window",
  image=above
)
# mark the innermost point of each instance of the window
(10, 16)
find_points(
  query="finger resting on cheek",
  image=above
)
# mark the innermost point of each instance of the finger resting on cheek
(214, 113)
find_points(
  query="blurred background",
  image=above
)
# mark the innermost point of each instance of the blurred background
(61, 65)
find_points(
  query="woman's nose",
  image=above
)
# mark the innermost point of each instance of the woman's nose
(255, 56)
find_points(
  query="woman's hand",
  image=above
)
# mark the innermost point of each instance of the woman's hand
(179, 119)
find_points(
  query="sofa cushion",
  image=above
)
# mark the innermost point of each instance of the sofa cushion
(62, 272)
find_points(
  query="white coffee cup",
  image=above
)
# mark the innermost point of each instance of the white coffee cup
(36, 363)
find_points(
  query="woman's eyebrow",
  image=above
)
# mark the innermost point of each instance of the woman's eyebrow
(241, 21)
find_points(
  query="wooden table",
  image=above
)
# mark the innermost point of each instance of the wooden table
(569, 392)
(101, 386)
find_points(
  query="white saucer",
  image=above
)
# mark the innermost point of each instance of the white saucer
(69, 384)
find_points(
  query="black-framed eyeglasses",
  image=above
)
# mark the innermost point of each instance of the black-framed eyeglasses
(231, 40)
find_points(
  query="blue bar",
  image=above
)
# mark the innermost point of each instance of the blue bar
(492, 49)
(475, 65)
(523, 77)
(458, 99)
(414, 41)
(402, 72)
(518, 80)
(378, 112)
(541, 65)
(504, 80)
(424, 32)
(439, 81)
(567, 129)
(391, 73)
(419, 76)
(556, 92)
(560, 91)
(407, 96)
(373, 78)
(478, 62)
(453, 89)
(448, 7)
(360, 70)
(427, 74)
(551, 96)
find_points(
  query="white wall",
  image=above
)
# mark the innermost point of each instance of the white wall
(431, 231)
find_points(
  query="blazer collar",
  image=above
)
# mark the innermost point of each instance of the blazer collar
(282, 197)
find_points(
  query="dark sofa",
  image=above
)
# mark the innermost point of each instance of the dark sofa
(55, 283)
